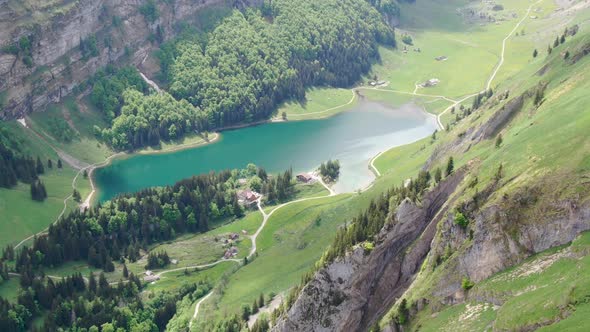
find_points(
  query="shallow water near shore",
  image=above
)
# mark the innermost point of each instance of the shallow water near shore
(353, 137)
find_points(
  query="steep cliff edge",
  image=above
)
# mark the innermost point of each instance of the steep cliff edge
(46, 51)
(352, 292)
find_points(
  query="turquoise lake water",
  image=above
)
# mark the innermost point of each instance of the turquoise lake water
(353, 137)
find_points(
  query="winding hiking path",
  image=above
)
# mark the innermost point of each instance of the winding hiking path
(265, 218)
(488, 85)
(502, 54)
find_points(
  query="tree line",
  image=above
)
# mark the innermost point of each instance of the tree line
(75, 303)
(117, 230)
(15, 167)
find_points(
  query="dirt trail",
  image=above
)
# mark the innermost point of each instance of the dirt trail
(329, 109)
(190, 324)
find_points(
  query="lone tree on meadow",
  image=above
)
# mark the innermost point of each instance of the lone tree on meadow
(76, 195)
(38, 192)
(39, 167)
(535, 53)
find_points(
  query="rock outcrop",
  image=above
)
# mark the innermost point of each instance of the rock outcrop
(352, 292)
(504, 234)
(55, 31)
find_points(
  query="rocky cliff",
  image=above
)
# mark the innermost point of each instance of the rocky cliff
(353, 292)
(41, 58)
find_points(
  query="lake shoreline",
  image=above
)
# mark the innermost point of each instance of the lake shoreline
(124, 155)
(174, 149)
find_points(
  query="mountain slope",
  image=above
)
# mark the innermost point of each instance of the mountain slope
(526, 154)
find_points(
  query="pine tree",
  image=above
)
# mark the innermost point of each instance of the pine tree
(562, 39)
(39, 166)
(108, 265)
(437, 175)
(535, 53)
(403, 312)
(38, 192)
(549, 49)
(245, 312)
(499, 172)
(254, 307)
(539, 96)
(103, 285)
(450, 167)
(76, 196)
(92, 287)
(499, 140)
(49, 164)
(125, 271)
(261, 301)
(59, 164)
(556, 42)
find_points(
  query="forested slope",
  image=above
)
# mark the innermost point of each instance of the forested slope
(251, 62)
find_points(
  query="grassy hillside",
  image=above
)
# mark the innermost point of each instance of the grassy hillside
(546, 288)
(544, 146)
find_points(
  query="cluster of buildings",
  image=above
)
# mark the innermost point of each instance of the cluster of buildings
(231, 252)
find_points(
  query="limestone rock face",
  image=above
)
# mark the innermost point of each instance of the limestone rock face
(501, 241)
(352, 292)
(56, 31)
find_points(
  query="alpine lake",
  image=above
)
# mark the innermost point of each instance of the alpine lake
(353, 137)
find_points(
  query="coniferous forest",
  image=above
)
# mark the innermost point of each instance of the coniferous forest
(15, 167)
(116, 231)
(119, 228)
